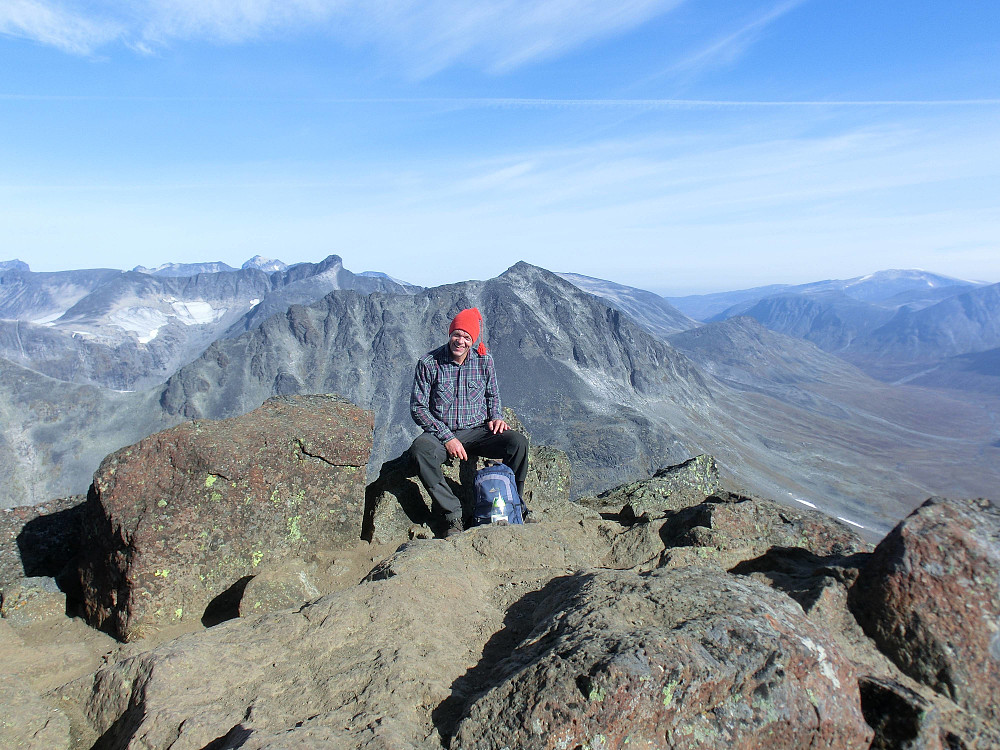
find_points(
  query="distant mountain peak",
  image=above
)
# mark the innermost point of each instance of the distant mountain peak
(267, 265)
(387, 277)
(185, 269)
(13, 265)
(915, 276)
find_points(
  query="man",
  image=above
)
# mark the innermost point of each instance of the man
(455, 400)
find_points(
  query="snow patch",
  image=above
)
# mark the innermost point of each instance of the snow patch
(254, 303)
(47, 320)
(805, 502)
(197, 312)
(145, 322)
(848, 520)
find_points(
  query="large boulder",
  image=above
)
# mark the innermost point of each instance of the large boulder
(930, 599)
(730, 522)
(688, 658)
(727, 530)
(670, 488)
(180, 517)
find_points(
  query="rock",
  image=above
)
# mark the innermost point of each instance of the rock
(930, 599)
(726, 522)
(31, 600)
(903, 719)
(532, 632)
(690, 658)
(670, 488)
(27, 721)
(370, 666)
(728, 530)
(39, 540)
(289, 584)
(175, 520)
(397, 507)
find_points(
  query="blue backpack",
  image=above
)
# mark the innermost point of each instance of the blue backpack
(497, 501)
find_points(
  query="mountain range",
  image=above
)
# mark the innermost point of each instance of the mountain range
(898, 326)
(132, 330)
(619, 378)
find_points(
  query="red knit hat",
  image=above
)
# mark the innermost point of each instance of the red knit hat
(469, 320)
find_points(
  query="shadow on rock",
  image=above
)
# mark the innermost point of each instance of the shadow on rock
(397, 484)
(226, 606)
(48, 546)
(501, 656)
(800, 573)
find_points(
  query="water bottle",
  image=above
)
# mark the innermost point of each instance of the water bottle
(499, 515)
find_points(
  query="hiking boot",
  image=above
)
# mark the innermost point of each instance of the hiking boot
(528, 517)
(454, 528)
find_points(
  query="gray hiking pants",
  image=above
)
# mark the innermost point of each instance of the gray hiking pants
(428, 453)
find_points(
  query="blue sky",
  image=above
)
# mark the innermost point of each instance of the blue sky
(679, 146)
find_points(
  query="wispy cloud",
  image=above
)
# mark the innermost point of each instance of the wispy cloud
(733, 45)
(54, 24)
(425, 36)
(534, 103)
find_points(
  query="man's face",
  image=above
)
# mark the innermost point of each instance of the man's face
(459, 343)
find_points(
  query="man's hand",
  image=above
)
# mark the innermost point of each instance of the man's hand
(456, 449)
(497, 426)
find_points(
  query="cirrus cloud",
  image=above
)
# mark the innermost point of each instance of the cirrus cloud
(425, 36)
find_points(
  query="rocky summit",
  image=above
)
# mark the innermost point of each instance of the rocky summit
(270, 599)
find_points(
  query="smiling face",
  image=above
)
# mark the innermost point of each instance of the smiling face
(459, 343)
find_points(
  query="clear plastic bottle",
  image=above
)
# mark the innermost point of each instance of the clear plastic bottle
(499, 515)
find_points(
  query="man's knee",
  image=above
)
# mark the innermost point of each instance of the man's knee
(516, 442)
(428, 448)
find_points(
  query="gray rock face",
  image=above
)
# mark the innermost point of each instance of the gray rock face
(182, 516)
(649, 310)
(691, 658)
(26, 295)
(188, 269)
(930, 598)
(892, 328)
(888, 288)
(966, 323)
(830, 320)
(54, 434)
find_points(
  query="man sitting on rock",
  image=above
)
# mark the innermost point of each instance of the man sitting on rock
(455, 400)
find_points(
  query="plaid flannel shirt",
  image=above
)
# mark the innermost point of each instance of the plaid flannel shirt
(447, 396)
